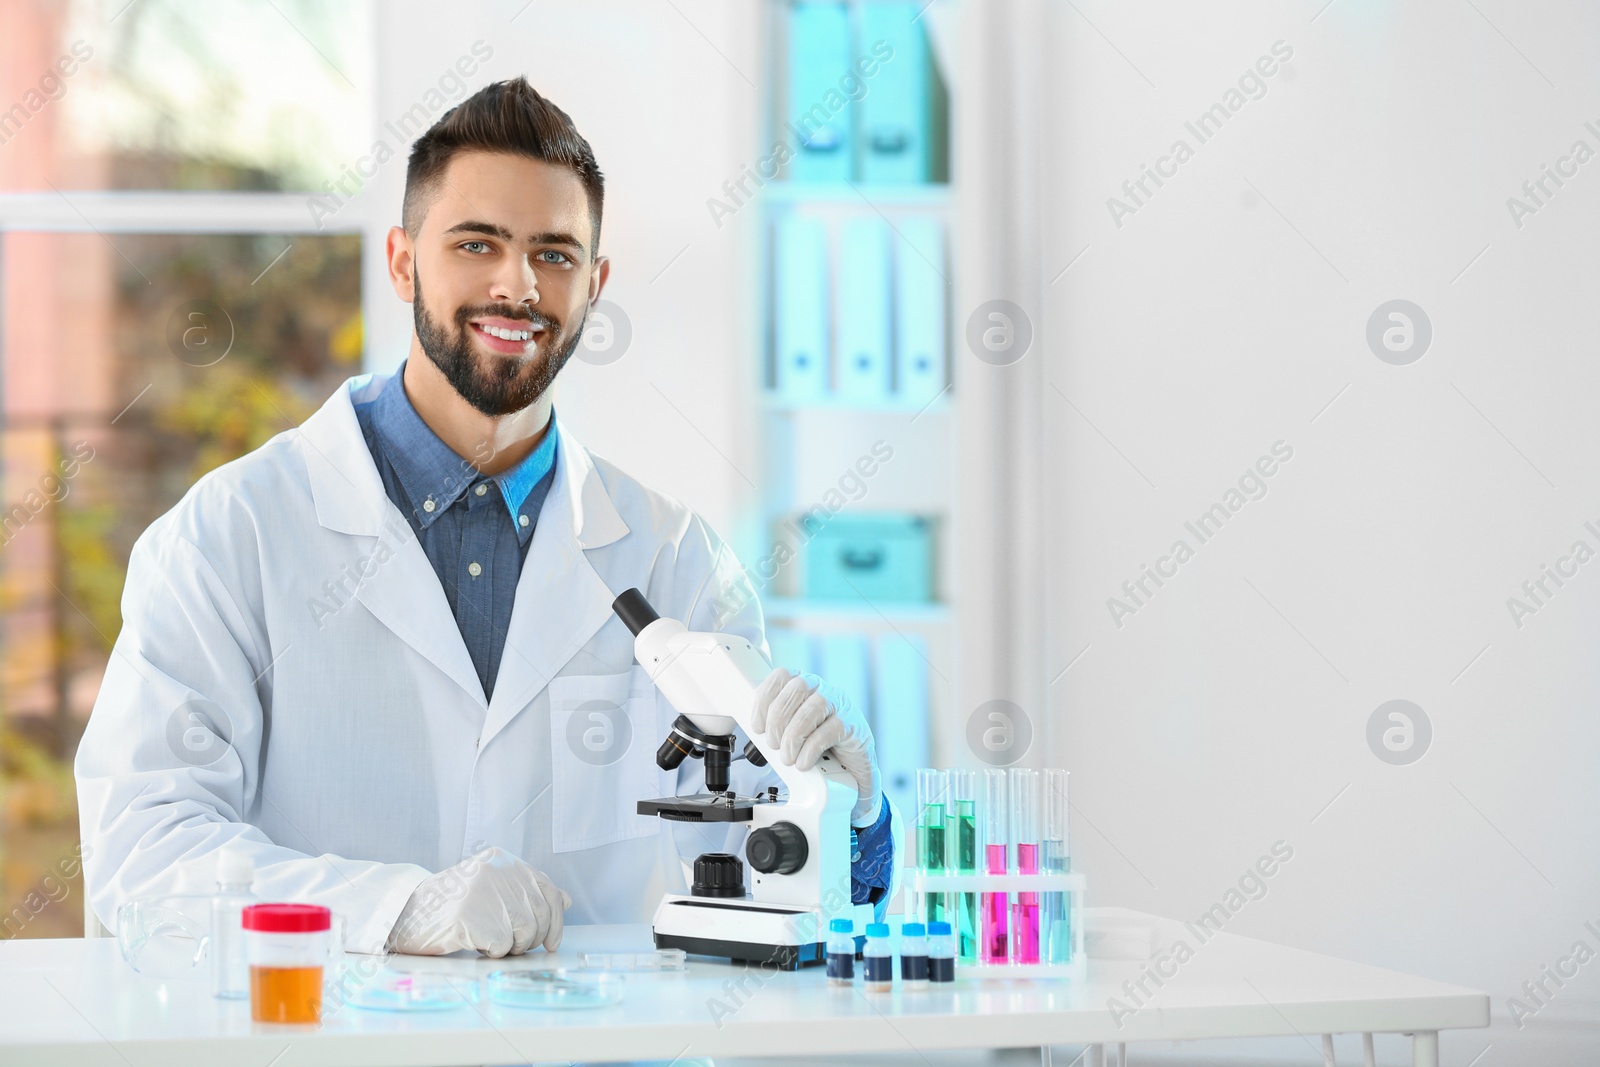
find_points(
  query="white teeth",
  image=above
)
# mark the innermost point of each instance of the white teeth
(507, 335)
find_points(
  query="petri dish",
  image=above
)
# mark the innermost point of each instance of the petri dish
(407, 992)
(557, 990)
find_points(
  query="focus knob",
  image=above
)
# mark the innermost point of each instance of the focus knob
(718, 874)
(777, 849)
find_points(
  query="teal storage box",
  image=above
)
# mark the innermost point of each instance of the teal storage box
(879, 556)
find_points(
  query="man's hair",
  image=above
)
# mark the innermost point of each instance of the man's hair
(508, 116)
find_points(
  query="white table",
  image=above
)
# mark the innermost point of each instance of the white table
(70, 1002)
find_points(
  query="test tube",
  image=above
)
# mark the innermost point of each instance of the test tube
(1056, 917)
(993, 947)
(932, 795)
(1024, 788)
(961, 838)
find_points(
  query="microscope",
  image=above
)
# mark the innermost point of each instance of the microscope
(798, 847)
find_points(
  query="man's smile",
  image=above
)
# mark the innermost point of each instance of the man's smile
(510, 336)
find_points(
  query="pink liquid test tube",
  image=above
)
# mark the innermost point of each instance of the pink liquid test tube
(1026, 800)
(995, 945)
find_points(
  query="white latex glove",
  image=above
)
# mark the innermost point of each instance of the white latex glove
(800, 721)
(492, 902)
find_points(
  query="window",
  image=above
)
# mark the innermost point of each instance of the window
(167, 303)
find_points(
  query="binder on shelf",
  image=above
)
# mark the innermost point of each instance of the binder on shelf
(800, 309)
(900, 722)
(894, 121)
(919, 299)
(792, 649)
(845, 660)
(864, 351)
(819, 55)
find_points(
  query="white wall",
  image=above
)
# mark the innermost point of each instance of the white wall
(1224, 316)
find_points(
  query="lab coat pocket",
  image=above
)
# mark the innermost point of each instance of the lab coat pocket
(602, 744)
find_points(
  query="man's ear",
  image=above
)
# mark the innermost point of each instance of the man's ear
(402, 264)
(597, 278)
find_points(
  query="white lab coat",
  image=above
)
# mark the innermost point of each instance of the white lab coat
(285, 604)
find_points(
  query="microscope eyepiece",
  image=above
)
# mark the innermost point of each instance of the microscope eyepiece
(634, 611)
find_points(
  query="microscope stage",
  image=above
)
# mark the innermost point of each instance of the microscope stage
(704, 807)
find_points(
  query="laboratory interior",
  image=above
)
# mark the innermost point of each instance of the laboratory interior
(1038, 531)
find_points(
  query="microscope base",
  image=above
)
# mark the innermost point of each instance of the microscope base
(780, 957)
(743, 930)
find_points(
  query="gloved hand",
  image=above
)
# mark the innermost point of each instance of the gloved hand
(492, 902)
(801, 721)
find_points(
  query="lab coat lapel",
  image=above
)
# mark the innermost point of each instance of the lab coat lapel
(394, 579)
(561, 599)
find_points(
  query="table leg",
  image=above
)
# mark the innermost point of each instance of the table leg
(1425, 1048)
(1044, 1056)
(1366, 1051)
(1097, 1056)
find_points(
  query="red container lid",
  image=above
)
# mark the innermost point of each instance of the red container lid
(287, 918)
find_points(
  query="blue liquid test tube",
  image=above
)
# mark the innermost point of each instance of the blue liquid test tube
(1055, 858)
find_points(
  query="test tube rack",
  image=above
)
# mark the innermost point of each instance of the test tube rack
(1071, 884)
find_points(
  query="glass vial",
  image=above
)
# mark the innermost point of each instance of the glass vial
(230, 970)
(841, 952)
(877, 961)
(941, 953)
(914, 956)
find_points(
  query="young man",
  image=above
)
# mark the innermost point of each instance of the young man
(378, 653)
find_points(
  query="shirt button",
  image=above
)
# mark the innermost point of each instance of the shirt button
(474, 570)
(428, 504)
(482, 489)
(522, 520)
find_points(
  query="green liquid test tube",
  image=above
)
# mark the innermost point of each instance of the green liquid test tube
(962, 823)
(932, 788)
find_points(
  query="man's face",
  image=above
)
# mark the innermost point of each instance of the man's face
(503, 277)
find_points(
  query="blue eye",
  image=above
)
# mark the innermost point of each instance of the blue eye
(468, 244)
(553, 252)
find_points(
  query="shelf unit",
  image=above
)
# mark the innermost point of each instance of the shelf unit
(808, 449)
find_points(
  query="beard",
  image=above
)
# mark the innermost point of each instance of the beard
(493, 383)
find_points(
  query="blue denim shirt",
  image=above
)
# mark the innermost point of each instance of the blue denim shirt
(476, 529)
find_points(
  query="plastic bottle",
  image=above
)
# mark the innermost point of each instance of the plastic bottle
(941, 953)
(230, 970)
(914, 956)
(841, 952)
(877, 961)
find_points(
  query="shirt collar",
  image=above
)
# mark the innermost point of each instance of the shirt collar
(434, 476)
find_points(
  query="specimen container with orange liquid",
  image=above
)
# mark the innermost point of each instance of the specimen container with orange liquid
(287, 945)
